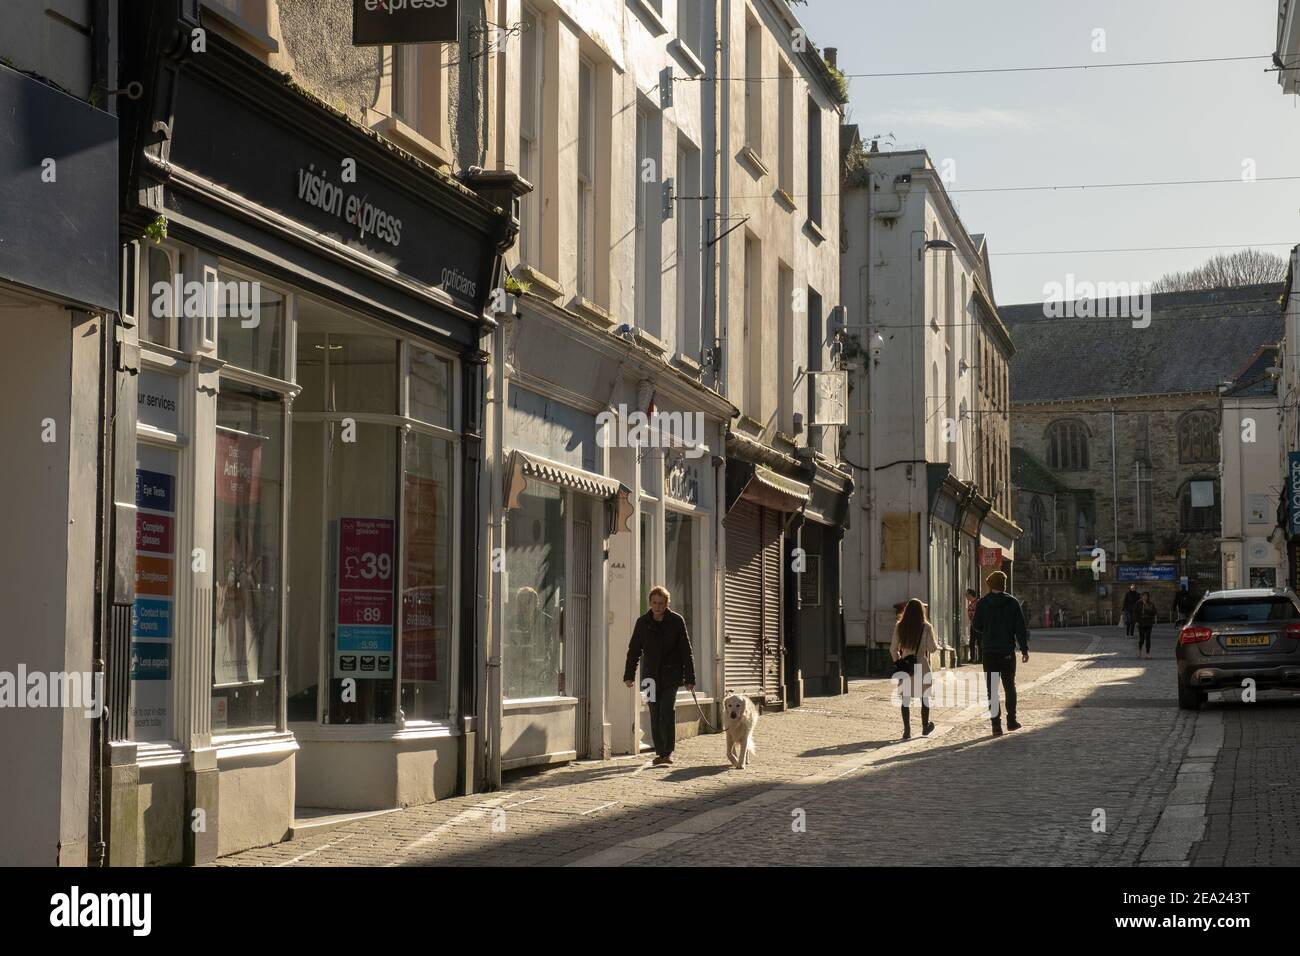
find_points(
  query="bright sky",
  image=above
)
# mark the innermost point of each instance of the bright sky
(1198, 121)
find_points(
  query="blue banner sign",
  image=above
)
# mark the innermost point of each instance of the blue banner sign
(1293, 494)
(1147, 572)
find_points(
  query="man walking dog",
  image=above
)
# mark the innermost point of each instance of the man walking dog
(1000, 624)
(663, 648)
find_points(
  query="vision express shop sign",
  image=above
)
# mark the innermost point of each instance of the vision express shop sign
(403, 21)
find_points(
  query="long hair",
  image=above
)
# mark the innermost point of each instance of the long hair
(911, 625)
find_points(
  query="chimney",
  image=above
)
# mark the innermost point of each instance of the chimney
(830, 53)
(875, 145)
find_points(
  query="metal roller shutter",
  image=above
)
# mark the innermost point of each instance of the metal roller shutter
(743, 601)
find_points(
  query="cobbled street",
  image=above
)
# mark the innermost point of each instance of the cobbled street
(1106, 770)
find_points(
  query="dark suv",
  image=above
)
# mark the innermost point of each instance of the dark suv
(1233, 635)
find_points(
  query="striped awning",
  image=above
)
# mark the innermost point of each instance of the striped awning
(523, 467)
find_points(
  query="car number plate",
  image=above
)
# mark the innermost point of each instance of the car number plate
(1248, 640)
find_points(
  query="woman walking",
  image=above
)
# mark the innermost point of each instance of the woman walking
(910, 649)
(1146, 619)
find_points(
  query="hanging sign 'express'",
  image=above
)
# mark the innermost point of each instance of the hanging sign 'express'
(376, 22)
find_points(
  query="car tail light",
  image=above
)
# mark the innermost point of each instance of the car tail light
(1293, 630)
(1194, 635)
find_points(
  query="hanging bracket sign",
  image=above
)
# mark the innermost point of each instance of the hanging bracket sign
(381, 22)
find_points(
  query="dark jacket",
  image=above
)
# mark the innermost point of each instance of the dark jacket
(663, 648)
(1000, 624)
(1183, 603)
(1146, 614)
(1131, 600)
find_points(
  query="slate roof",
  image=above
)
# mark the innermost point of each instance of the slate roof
(1028, 473)
(1195, 340)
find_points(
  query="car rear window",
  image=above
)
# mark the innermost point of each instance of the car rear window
(1248, 610)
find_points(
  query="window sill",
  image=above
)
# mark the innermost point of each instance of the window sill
(551, 289)
(409, 138)
(254, 744)
(371, 733)
(533, 703)
(686, 56)
(814, 230)
(652, 16)
(751, 159)
(785, 199)
(590, 310)
(245, 31)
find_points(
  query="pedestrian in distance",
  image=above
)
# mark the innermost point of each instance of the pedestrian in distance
(1000, 623)
(663, 648)
(1182, 605)
(1146, 620)
(910, 650)
(971, 600)
(1131, 599)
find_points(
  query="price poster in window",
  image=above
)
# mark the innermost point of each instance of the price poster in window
(363, 633)
(155, 588)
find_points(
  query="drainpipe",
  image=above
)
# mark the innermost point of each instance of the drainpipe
(1114, 488)
(492, 633)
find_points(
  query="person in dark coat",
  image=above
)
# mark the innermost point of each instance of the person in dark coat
(1000, 624)
(663, 648)
(971, 600)
(1131, 599)
(1146, 620)
(1183, 605)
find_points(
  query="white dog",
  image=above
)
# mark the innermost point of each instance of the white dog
(739, 718)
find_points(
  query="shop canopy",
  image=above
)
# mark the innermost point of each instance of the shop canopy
(523, 467)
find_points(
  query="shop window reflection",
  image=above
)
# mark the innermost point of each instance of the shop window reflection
(532, 655)
(246, 559)
(426, 584)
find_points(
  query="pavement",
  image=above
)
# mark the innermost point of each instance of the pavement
(1106, 770)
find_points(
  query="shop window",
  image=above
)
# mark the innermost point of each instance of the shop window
(647, 556)
(426, 579)
(342, 366)
(361, 562)
(153, 615)
(250, 327)
(246, 559)
(532, 652)
(430, 388)
(159, 325)
(681, 557)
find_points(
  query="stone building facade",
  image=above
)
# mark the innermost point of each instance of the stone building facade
(1116, 428)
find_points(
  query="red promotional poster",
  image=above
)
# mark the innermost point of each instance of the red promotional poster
(366, 607)
(153, 533)
(239, 468)
(990, 557)
(419, 617)
(366, 554)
